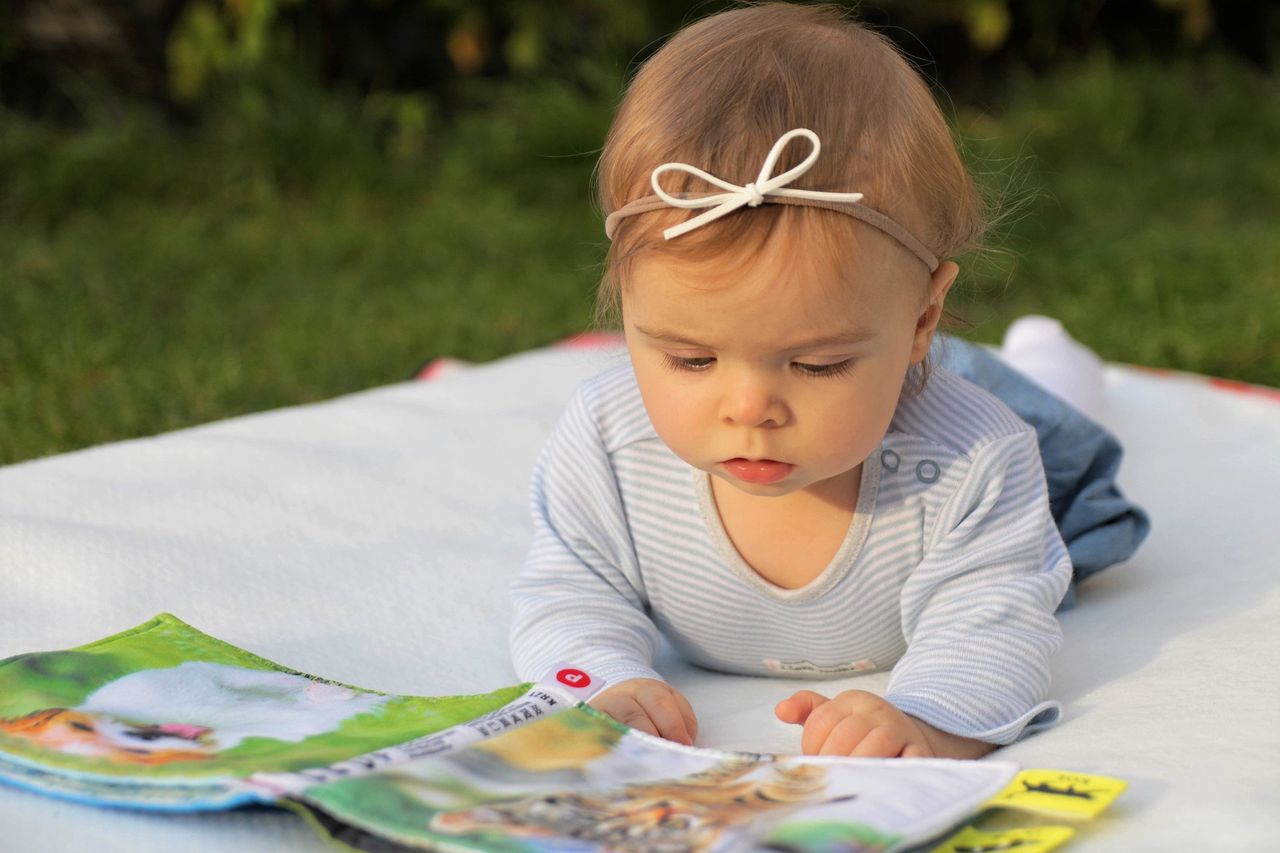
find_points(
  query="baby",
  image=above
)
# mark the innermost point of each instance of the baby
(779, 481)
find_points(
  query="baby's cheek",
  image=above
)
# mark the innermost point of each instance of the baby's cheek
(858, 429)
(847, 444)
(679, 423)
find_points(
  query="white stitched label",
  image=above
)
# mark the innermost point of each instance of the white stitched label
(810, 667)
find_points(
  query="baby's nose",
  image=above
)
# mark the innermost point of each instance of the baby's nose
(753, 404)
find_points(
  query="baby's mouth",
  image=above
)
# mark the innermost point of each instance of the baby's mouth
(759, 471)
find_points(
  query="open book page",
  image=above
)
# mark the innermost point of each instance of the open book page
(579, 781)
(165, 717)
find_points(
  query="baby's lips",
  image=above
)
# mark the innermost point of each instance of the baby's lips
(183, 730)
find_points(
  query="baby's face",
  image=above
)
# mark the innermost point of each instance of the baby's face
(780, 375)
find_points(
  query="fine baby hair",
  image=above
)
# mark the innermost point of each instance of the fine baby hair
(723, 91)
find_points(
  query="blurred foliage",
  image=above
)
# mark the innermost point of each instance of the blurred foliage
(214, 44)
(186, 54)
(1145, 202)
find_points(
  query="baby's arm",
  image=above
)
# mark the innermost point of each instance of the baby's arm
(978, 617)
(978, 611)
(580, 597)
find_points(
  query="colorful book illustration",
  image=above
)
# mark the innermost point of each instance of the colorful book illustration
(163, 717)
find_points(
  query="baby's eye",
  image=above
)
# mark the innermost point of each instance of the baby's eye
(839, 368)
(676, 362)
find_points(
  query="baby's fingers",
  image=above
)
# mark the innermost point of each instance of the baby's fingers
(799, 706)
(633, 715)
(626, 710)
(821, 738)
(686, 711)
(668, 717)
(880, 742)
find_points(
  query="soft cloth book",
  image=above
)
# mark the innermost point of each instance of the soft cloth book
(163, 717)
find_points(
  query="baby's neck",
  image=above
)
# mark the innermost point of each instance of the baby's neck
(791, 539)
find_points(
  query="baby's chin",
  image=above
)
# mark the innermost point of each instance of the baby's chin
(782, 488)
(799, 480)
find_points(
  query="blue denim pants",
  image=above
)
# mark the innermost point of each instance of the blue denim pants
(1099, 525)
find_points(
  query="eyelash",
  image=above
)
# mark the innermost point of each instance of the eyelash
(813, 371)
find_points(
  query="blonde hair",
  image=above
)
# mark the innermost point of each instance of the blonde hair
(719, 94)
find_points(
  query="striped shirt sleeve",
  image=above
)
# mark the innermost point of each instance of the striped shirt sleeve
(580, 598)
(978, 611)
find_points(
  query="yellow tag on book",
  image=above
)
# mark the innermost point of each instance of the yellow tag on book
(1058, 793)
(1032, 839)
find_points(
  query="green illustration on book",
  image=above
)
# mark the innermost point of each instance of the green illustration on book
(163, 717)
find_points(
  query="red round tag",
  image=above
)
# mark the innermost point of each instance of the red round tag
(573, 677)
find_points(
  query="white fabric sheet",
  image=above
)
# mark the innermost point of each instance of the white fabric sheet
(370, 539)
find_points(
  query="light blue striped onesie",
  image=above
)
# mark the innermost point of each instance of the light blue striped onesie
(950, 571)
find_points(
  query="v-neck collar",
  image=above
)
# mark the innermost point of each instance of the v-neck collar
(840, 564)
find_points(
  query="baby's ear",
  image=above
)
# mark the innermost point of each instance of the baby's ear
(927, 320)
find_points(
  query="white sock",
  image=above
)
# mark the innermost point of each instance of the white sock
(1040, 348)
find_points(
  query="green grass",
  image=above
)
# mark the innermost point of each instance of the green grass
(1152, 219)
(152, 278)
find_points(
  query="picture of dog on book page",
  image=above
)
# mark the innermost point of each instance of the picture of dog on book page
(163, 699)
(190, 712)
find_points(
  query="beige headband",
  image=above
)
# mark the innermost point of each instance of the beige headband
(766, 189)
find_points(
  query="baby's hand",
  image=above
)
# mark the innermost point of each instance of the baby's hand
(651, 706)
(854, 723)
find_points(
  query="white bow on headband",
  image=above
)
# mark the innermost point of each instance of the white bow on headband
(750, 195)
(764, 188)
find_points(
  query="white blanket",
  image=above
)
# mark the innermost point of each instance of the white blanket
(370, 539)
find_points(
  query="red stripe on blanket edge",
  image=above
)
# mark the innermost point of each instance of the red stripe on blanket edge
(1237, 387)
(1233, 386)
(438, 367)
